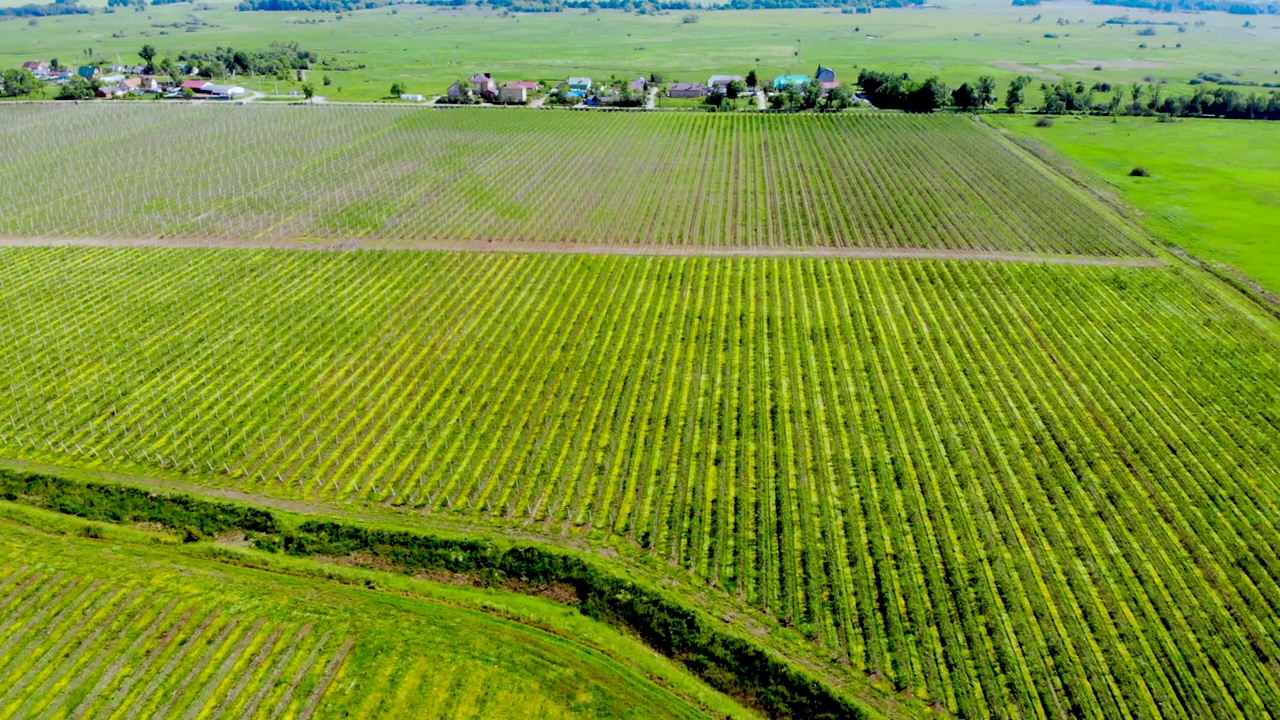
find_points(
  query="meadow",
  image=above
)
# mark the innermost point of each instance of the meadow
(134, 629)
(577, 179)
(1214, 188)
(426, 49)
(1007, 488)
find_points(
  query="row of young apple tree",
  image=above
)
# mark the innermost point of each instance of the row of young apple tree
(942, 473)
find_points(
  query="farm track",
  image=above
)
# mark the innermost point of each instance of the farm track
(632, 250)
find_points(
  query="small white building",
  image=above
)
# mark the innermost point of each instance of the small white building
(412, 97)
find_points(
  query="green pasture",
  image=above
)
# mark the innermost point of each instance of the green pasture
(171, 630)
(426, 48)
(1214, 188)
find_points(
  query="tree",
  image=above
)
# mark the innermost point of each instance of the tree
(839, 98)
(1053, 102)
(148, 55)
(735, 89)
(811, 94)
(753, 80)
(964, 97)
(77, 88)
(18, 83)
(986, 91)
(170, 68)
(308, 90)
(327, 81)
(188, 93)
(397, 89)
(930, 96)
(1017, 95)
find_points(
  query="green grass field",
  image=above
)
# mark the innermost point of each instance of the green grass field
(564, 178)
(427, 48)
(122, 628)
(1034, 487)
(1214, 188)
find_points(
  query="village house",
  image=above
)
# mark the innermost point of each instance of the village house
(638, 85)
(686, 90)
(88, 72)
(38, 68)
(720, 83)
(581, 84)
(782, 82)
(458, 92)
(825, 75)
(518, 91)
(485, 85)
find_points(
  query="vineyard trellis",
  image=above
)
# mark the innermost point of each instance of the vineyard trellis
(389, 175)
(1016, 489)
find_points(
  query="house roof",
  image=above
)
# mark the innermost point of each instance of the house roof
(785, 80)
(33, 65)
(685, 86)
(579, 81)
(723, 79)
(132, 82)
(830, 85)
(521, 85)
(194, 84)
(479, 78)
(637, 84)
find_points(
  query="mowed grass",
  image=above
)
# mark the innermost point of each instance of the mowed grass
(109, 629)
(426, 49)
(391, 175)
(1003, 487)
(1214, 188)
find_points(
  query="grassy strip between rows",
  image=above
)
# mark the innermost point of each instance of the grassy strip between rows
(728, 663)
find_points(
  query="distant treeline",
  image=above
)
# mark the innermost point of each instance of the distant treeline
(1220, 79)
(279, 59)
(1227, 6)
(727, 662)
(58, 7)
(540, 6)
(1060, 98)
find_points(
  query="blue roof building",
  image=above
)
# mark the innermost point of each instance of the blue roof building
(782, 82)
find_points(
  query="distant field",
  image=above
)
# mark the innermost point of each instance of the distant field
(1214, 187)
(262, 174)
(98, 630)
(1000, 486)
(428, 48)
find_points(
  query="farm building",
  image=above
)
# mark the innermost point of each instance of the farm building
(782, 82)
(203, 87)
(825, 74)
(638, 85)
(412, 97)
(518, 91)
(36, 66)
(719, 83)
(686, 90)
(457, 91)
(579, 83)
(485, 85)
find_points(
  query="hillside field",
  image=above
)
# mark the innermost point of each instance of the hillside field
(1008, 488)
(120, 629)
(1214, 188)
(427, 48)
(401, 176)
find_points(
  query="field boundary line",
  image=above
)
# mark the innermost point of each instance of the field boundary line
(482, 246)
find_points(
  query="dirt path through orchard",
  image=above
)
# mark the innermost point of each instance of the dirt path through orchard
(863, 253)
